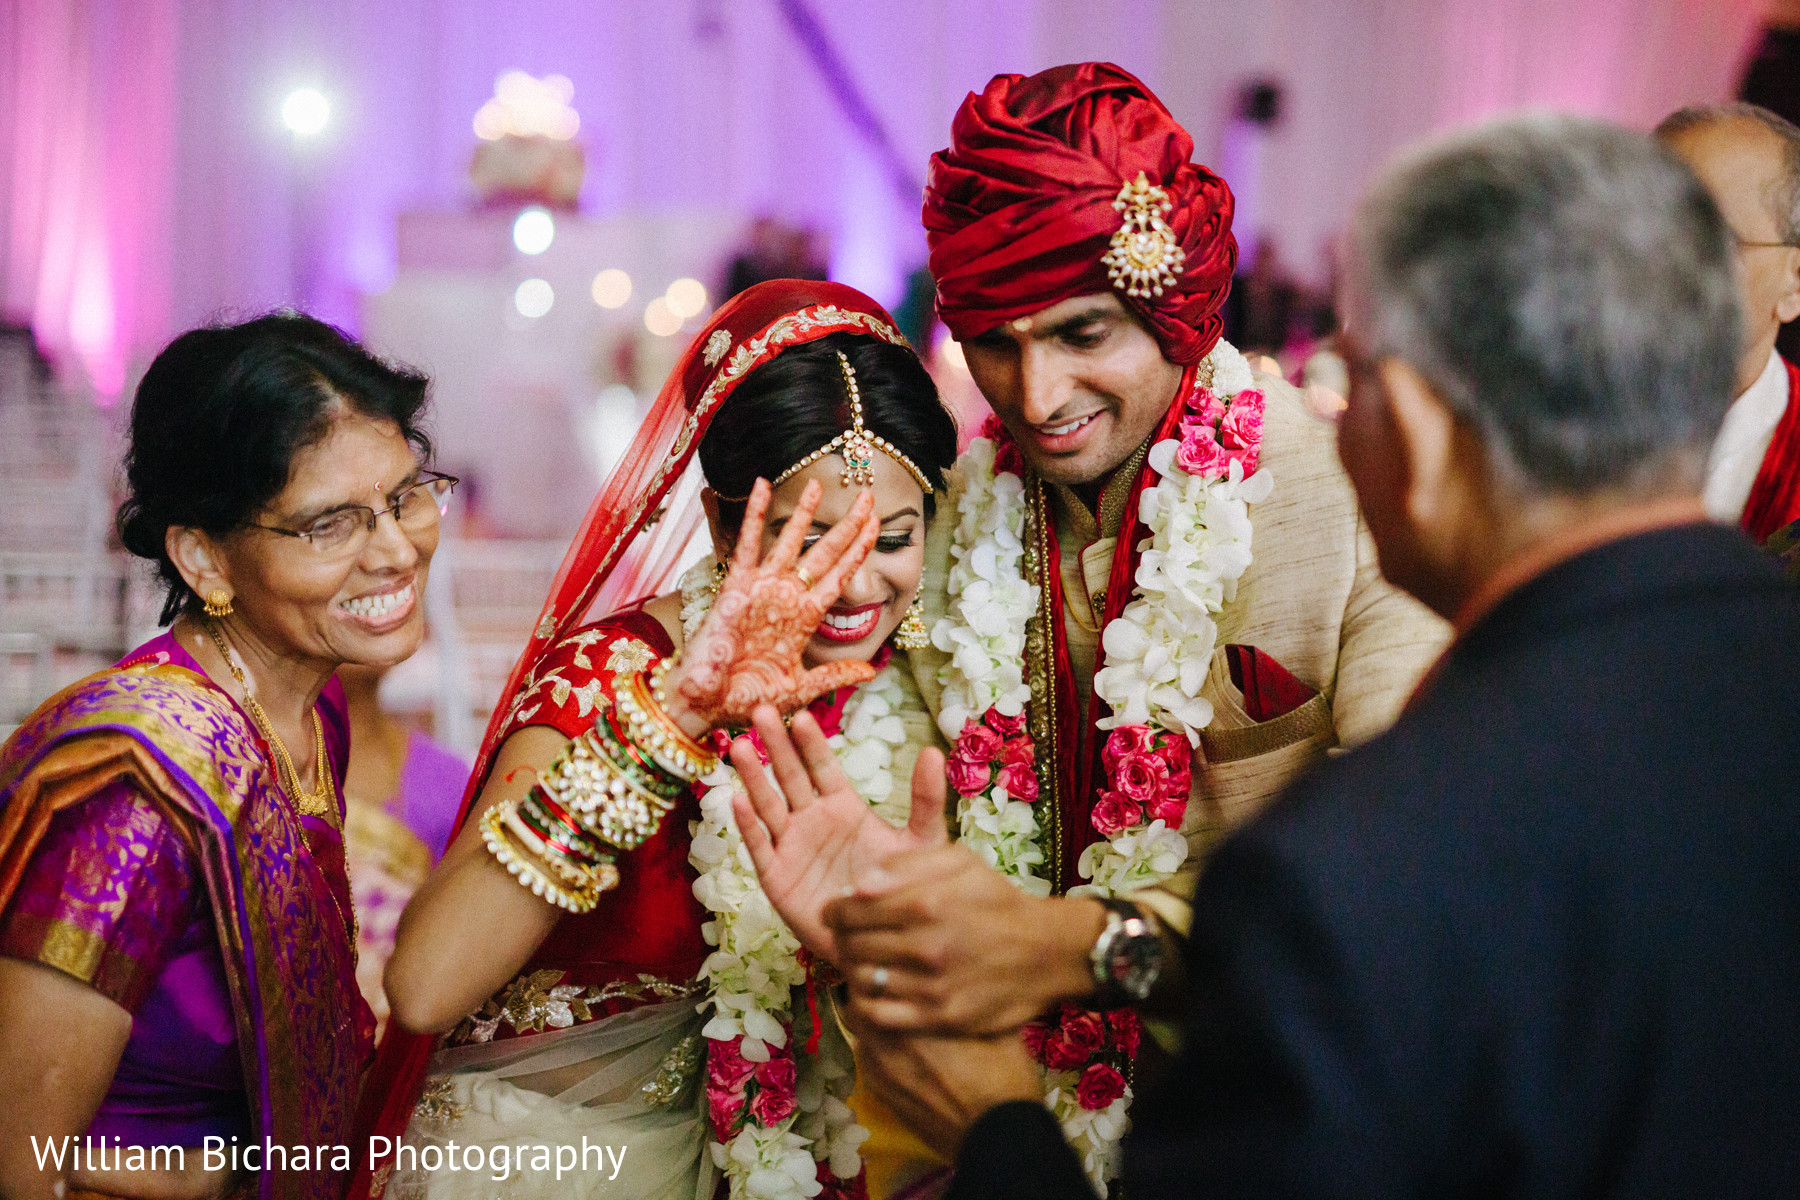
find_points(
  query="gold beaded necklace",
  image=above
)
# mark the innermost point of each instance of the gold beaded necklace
(321, 802)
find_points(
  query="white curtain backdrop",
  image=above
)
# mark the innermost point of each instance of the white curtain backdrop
(147, 184)
(87, 154)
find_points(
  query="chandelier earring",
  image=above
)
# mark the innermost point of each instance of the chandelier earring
(912, 634)
(217, 603)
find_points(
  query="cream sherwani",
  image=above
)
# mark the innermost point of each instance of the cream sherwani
(1313, 598)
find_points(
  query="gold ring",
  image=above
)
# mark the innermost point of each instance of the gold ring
(805, 579)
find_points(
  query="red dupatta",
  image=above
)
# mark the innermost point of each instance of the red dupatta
(614, 560)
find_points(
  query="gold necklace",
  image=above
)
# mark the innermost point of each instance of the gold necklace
(317, 803)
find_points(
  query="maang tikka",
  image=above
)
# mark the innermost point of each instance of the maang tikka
(856, 444)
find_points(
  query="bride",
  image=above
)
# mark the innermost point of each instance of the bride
(619, 1009)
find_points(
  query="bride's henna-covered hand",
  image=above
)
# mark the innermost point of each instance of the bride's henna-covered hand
(748, 650)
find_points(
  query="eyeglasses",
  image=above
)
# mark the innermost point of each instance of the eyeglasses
(1744, 243)
(343, 532)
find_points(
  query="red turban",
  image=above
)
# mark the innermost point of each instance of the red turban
(1020, 211)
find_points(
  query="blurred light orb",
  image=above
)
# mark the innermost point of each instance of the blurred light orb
(534, 230)
(612, 288)
(533, 298)
(658, 318)
(305, 112)
(685, 298)
(524, 106)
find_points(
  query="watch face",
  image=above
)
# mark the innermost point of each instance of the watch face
(1135, 959)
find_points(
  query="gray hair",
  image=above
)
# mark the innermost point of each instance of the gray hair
(1565, 286)
(1784, 202)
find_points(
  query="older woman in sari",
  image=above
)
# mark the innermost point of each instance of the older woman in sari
(176, 936)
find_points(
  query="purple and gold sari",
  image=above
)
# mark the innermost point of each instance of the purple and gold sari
(146, 850)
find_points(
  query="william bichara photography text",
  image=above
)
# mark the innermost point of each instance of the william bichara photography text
(217, 1154)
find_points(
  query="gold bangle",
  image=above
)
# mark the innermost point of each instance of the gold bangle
(551, 820)
(652, 730)
(579, 872)
(532, 875)
(612, 745)
(608, 802)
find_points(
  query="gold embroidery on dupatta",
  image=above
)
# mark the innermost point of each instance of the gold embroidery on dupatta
(437, 1104)
(675, 1074)
(1040, 666)
(538, 1001)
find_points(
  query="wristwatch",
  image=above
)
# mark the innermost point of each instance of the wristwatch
(1128, 954)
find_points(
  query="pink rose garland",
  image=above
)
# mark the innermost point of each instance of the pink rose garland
(994, 751)
(1212, 435)
(1151, 772)
(1242, 428)
(734, 1084)
(1100, 1045)
(1100, 1085)
(1008, 458)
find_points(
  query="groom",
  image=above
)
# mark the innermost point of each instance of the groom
(1081, 260)
(1084, 370)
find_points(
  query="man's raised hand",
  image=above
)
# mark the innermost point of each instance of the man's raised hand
(811, 836)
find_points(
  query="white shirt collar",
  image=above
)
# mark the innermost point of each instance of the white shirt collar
(1737, 453)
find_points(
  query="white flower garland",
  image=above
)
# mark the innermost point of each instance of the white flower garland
(1158, 653)
(1160, 647)
(755, 967)
(983, 631)
(1094, 1136)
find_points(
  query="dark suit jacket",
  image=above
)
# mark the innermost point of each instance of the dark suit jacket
(1541, 939)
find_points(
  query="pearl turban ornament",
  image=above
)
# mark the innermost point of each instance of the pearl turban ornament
(1073, 181)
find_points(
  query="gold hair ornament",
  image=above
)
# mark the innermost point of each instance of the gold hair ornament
(856, 444)
(1144, 257)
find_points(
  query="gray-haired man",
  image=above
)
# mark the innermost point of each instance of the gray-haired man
(1749, 159)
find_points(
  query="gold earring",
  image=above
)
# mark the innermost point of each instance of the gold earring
(217, 604)
(912, 634)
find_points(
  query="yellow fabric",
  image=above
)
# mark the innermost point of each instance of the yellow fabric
(893, 1156)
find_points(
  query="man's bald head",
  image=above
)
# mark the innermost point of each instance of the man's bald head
(1749, 159)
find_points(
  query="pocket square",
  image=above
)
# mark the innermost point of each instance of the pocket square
(1270, 689)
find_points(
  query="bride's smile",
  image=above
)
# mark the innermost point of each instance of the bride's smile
(876, 596)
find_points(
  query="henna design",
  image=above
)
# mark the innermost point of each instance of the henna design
(747, 653)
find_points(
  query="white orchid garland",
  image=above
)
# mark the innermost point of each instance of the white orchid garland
(983, 632)
(1158, 653)
(756, 966)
